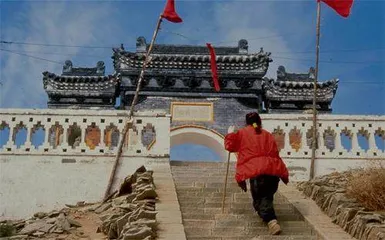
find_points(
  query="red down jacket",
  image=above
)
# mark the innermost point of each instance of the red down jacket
(257, 154)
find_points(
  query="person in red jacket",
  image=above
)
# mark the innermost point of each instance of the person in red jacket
(259, 161)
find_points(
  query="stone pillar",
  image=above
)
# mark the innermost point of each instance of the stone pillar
(355, 145)
(46, 138)
(304, 145)
(64, 143)
(29, 134)
(102, 127)
(83, 136)
(287, 140)
(338, 143)
(372, 142)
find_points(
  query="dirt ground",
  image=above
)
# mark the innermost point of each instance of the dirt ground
(90, 222)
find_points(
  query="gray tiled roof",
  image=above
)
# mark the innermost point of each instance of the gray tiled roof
(79, 85)
(257, 63)
(142, 46)
(287, 91)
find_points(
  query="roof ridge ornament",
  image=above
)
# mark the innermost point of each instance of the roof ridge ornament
(67, 67)
(70, 70)
(243, 46)
(141, 44)
(282, 75)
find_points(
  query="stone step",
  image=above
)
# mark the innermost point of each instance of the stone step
(217, 197)
(199, 188)
(249, 215)
(246, 232)
(241, 211)
(228, 204)
(239, 222)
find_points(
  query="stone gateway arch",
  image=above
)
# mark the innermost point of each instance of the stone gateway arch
(178, 82)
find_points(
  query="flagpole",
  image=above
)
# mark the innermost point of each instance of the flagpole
(225, 185)
(314, 141)
(131, 112)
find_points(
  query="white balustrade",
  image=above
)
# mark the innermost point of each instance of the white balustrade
(15, 119)
(371, 127)
(332, 126)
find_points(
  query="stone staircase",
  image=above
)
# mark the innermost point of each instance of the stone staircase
(199, 187)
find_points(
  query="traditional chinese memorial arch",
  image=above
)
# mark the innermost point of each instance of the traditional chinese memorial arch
(178, 81)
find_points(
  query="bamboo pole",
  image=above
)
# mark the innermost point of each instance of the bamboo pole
(131, 112)
(225, 185)
(314, 140)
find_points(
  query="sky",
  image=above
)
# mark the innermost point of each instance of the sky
(352, 49)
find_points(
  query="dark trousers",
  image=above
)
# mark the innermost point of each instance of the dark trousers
(262, 190)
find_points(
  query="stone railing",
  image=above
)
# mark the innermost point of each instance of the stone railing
(343, 142)
(80, 132)
(339, 136)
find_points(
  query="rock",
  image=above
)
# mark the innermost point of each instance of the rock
(63, 223)
(112, 232)
(53, 214)
(18, 237)
(70, 205)
(38, 234)
(74, 222)
(148, 193)
(47, 228)
(103, 208)
(119, 201)
(148, 222)
(33, 227)
(136, 232)
(50, 220)
(130, 198)
(40, 215)
(58, 230)
(129, 207)
(121, 222)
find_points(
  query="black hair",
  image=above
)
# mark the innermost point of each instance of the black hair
(252, 119)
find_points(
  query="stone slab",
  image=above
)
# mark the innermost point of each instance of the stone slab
(313, 215)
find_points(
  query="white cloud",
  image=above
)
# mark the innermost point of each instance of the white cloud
(66, 23)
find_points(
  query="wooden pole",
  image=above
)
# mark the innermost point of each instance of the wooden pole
(314, 140)
(131, 112)
(225, 185)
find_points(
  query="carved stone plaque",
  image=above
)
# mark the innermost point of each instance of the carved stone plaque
(192, 111)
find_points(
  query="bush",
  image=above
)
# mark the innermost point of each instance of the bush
(6, 230)
(368, 186)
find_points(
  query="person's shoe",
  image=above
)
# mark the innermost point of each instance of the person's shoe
(274, 227)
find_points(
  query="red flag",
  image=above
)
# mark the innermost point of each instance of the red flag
(213, 67)
(342, 7)
(169, 12)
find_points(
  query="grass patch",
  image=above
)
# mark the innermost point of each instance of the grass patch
(368, 186)
(6, 230)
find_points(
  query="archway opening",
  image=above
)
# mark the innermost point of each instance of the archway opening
(196, 143)
(193, 153)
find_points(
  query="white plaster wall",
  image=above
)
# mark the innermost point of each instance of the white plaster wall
(29, 184)
(46, 178)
